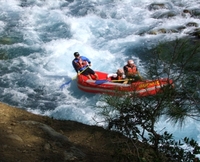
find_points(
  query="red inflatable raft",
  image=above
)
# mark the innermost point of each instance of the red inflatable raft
(104, 86)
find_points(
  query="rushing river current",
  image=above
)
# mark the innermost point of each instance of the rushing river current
(38, 39)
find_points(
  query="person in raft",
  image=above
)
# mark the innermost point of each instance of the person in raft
(81, 65)
(131, 72)
(117, 77)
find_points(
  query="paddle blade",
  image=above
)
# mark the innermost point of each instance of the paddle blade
(101, 81)
(63, 85)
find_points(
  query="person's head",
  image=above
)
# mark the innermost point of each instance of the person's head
(76, 54)
(120, 72)
(130, 62)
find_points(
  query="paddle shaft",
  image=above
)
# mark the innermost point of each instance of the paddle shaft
(62, 86)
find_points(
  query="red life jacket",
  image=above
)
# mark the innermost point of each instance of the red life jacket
(80, 63)
(131, 71)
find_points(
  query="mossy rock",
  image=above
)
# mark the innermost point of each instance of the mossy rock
(5, 40)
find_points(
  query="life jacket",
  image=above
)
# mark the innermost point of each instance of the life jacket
(80, 64)
(131, 71)
(119, 77)
(116, 78)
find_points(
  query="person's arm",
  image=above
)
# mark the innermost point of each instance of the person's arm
(123, 76)
(125, 70)
(86, 59)
(112, 75)
(74, 65)
(136, 67)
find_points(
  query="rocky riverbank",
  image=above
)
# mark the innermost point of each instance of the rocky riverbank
(34, 138)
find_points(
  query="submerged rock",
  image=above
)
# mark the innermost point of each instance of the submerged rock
(6, 40)
(195, 33)
(192, 24)
(158, 6)
(161, 15)
(163, 30)
(191, 12)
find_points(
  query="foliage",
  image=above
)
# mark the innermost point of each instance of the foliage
(180, 61)
(136, 117)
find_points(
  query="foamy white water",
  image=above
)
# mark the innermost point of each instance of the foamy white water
(40, 37)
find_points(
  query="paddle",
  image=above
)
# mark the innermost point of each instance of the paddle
(98, 82)
(125, 81)
(140, 76)
(62, 86)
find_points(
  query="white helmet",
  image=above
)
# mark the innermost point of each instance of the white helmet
(120, 71)
(130, 62)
